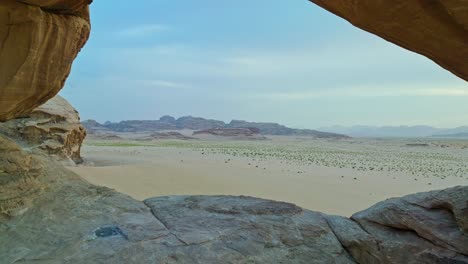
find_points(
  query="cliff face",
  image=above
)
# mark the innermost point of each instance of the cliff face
(39, 46)
(436, 29)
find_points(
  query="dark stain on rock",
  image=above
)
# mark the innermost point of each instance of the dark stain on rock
(110, 231)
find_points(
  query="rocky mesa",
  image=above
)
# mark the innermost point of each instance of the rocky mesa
(203, 124)
(248, 133)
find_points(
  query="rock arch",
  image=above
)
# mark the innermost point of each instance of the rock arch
(40, 39)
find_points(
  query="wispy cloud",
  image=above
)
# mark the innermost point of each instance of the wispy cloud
(143, 30)
(274, 63)
(365, 92)
(286, 74)
(164, 83)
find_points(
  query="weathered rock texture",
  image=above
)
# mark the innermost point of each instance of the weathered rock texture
(436, 29)
(421, 228)
(75, 222)
(37, 48)
(18, 178)
(53, 127)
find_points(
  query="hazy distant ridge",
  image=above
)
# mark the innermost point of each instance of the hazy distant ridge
(198, 123)
(397, 131)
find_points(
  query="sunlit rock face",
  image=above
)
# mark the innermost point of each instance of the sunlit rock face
(37, 48)
(53, 128)
(435, 29)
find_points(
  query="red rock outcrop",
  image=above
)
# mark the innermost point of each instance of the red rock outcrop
(39, 44)
(436, 29)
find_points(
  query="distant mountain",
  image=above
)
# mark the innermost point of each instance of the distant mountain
(198, 123)
(265, 128)
(280, 130)
(249, 133)
(394, 131)
(456, 135)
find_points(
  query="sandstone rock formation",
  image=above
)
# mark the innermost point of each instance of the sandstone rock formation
(39, 46)
(241, 133)
(18, 178)
(53, 127)
(421, 228)
(50, 215)
(435, 29)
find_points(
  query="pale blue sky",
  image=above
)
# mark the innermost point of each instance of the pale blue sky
(286, 61)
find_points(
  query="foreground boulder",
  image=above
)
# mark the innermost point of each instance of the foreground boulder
(435, 29)
(53, 127)
(38, 42)
(421, 228)
(227, 229)
(75, 222)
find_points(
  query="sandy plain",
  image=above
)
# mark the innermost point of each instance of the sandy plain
(332, 176)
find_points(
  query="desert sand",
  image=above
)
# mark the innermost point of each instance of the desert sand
(334, 177)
